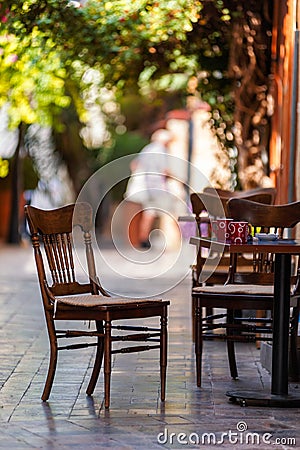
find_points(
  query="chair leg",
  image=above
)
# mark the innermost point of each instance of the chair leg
(294, 364)
(163, 354)
(107, 363)
(98, 360)
(52, 360)
(198, 340)
(193, 318)
(230, 348)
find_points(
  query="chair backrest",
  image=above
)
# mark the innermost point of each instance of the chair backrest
(265, 195)
(216, 205)
(54, 230)
(210, 204)
(265, 219)
(206, 204)
(207, 207)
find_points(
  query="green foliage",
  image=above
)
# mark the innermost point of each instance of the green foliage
(121, 145)
(32, 84)
(38, 79)
(128, 40)
(146, 45)
(123, 38)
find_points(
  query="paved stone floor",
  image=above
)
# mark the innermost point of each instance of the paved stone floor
(136, 419)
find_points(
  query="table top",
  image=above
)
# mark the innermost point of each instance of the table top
(291, 246)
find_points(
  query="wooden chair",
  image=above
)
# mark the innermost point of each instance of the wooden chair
(65, 299)
(251, 290)
(207, 207)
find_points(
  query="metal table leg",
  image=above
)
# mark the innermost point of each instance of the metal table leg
(279, 396)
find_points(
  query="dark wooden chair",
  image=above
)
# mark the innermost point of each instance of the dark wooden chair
(207, 207)
(247, 290)
(66, 299)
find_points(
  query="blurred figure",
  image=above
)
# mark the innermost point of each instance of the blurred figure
(148, 182)
(48, 194)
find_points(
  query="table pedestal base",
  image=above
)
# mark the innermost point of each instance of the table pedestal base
(251, 398)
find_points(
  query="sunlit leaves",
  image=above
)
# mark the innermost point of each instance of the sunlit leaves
(122, 31)
(33, 78)
(4, 167)
(135, 44)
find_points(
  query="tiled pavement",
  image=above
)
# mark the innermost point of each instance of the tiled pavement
(136, 418)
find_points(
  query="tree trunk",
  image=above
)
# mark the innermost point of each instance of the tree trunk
(14, 236)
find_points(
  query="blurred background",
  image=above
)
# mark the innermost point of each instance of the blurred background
(85, 83)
